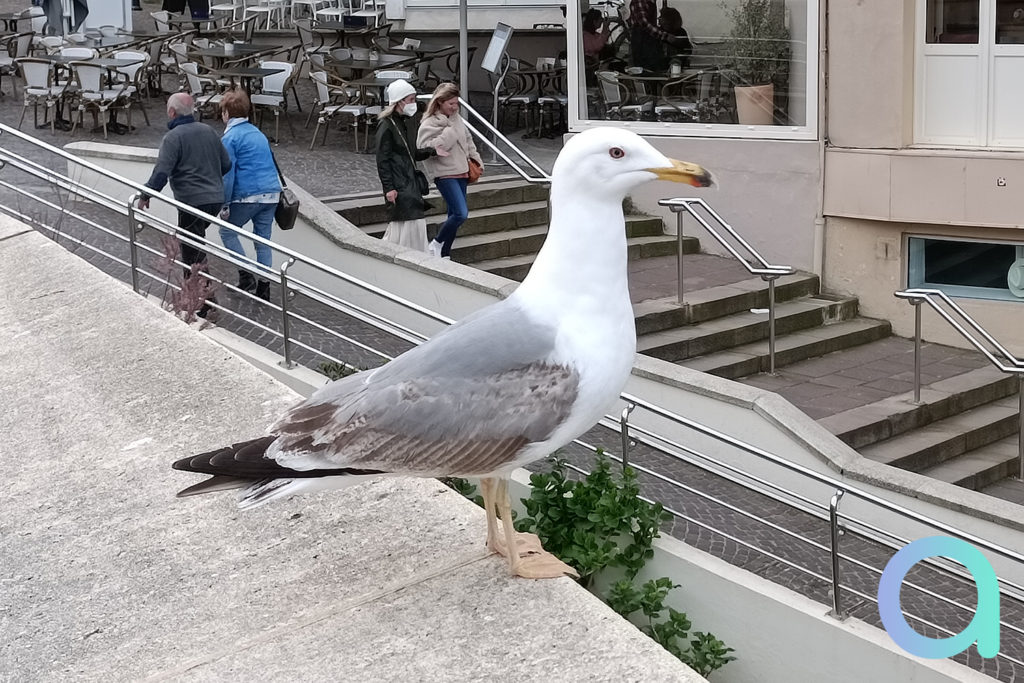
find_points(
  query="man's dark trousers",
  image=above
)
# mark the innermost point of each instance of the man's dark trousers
(197, 226)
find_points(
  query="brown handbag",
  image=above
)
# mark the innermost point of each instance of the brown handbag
(475, 170)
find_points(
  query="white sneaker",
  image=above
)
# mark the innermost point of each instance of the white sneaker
(434, 248)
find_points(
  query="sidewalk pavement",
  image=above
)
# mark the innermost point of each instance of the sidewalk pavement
(109, 577)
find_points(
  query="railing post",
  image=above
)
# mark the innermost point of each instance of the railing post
(771, 323)
(679, 251)
(133, 250)
(836, 532)
(917, 349)
(1020, 426)
(287, 363)
(624, 432)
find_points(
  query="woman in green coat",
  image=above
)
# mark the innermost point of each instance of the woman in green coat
(396, 157)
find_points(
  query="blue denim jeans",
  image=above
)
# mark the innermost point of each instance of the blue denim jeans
(454, 192)
(262, 217)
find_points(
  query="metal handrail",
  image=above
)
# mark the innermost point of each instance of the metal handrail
(1009, 363)
(836, 530)
(542, 177)
(768, 272)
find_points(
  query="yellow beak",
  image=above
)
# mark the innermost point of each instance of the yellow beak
(684, 172)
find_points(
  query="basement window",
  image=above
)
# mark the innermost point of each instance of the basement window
(966, 268)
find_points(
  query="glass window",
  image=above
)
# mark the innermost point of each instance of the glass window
(1009, 21)
(706, 65)
(979, 270)
(952, 21)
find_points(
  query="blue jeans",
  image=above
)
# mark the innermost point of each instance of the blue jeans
(454, 192)
(262, 217)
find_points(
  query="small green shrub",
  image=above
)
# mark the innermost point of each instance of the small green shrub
(593, 524)
(335, 371)
(601, 523)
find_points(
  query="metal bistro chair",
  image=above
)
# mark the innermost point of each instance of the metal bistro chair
(203, 90)
(39, 88)
(676, 104)
(334, 100)
(311, 6)
(274, 94)
(92, 94)
(616, 98)
(18, 47)
(135, 76)
(267, 8)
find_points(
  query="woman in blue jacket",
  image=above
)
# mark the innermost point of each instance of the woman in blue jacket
(251, 188)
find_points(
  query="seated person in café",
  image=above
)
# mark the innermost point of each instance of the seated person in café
(647, 40)
(595, 43)
(671, 22)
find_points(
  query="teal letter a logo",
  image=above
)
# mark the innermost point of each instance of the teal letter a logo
(984, 627)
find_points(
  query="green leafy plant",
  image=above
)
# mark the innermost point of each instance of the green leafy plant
(759, 42)
(600, 523)
(464, 488)
(593, 524)
(335, 371)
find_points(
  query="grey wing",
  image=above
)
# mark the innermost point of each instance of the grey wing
(465, 402)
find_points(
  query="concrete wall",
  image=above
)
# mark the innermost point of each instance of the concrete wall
(878, 188)
(768, 190)
(870, 73)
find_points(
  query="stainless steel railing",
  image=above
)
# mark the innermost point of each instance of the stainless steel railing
(493, 137)
(968, 327)
(838, 522)
(768, 272)
(135, 218)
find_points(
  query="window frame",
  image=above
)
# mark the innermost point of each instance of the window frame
(915, 269)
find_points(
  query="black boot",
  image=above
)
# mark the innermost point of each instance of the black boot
(263, 290)
(206, 309)
(246, 281)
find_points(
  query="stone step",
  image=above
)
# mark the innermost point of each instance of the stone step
(655, 315)
(494, 220)
(868, 424)
(1011, 490)
(475, 248)
(365, 208)
(980, 468)
(486, 220)
(753, 358)
(942, 440)
(742, 328)
(516, 267)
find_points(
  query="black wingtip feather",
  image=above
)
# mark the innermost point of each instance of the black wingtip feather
(248, 460)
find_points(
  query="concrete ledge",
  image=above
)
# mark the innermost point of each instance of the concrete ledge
(108, 576)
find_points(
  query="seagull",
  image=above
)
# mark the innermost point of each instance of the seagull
(503, 387)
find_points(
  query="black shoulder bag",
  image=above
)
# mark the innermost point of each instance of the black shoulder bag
(288, 205)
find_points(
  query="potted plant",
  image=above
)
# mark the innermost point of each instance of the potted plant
(759, 48)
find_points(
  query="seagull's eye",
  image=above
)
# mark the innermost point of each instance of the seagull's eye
(616, 153)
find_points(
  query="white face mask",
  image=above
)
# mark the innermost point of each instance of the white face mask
(409, 109)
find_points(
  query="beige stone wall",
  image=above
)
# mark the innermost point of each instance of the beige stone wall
(870, 73)
(868, 258)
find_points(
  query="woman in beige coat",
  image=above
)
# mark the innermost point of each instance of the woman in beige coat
(443, 128)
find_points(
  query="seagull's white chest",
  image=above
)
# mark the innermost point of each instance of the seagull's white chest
(596, 336)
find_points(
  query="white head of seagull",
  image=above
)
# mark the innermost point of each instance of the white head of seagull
(606, 163)
(501, 388)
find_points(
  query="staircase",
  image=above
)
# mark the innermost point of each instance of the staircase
(846, 371)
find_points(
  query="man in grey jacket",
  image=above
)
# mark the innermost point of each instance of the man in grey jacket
(193, 159)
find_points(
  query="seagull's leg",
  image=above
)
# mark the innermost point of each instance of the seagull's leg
(487, 486)
(529, 559)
